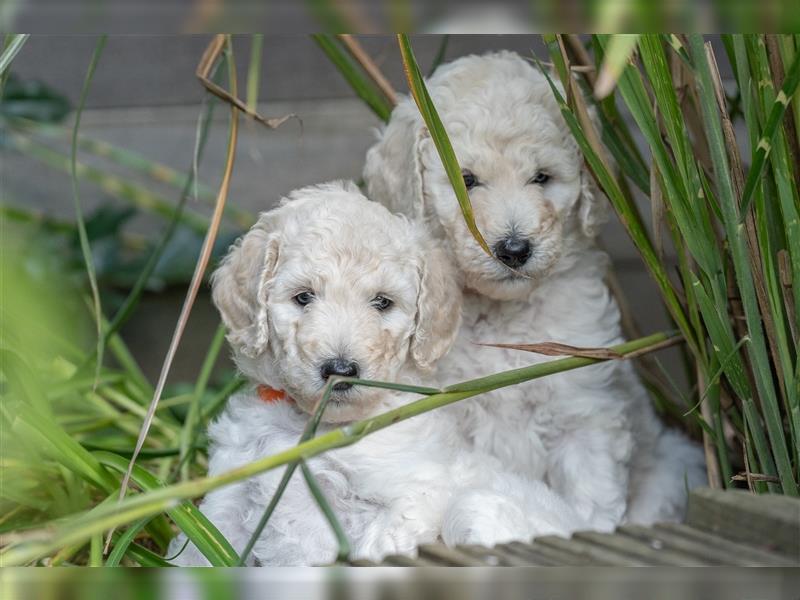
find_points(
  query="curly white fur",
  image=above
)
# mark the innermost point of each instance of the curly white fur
(411, 483)
(591, 434)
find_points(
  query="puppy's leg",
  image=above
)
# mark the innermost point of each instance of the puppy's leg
(589, 468)
(660, 479)
(483, 517)
(515, 509)
(401, 525)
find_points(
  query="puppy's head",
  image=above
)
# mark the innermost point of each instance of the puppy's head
(330, 284)
(533, 200)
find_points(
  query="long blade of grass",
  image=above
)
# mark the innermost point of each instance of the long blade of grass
(363, 88)
(769, 133)
(370, 68)
(439, 135)
(200, 269)
(80, 528)
(132, 299)
(619, 51)
(115, 186)
(126, 309)
(254, 70)
(330, 516)
(186, 515)
(123, 542)
(82, 235)
(441, 53)
(123, 157)
(11, 50)
(193, 416)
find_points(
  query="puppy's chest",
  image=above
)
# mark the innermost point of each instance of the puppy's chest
(489, 322)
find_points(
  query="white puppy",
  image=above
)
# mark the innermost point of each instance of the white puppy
(592, 433)
(329, 284)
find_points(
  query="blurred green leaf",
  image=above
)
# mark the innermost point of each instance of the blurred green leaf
(33, 100)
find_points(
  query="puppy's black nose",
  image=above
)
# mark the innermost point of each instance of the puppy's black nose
(339, 366)
(513, 251)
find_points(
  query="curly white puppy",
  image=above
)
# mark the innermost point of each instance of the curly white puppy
(329, 284)
(592, 433)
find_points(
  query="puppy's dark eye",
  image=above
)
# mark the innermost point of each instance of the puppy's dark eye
(470, 180)
(304, 298)
(382, 303)
(540, 178)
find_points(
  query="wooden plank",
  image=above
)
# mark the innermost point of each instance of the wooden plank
(362, 562)
(647, 553)
(586, 553)
(714, 552)
(750, 555)
(527, 552)
(497, 556)
(767, 521)
(668, 540)
(444, 555)
(400, 560)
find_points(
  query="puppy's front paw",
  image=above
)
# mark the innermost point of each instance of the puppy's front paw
(483, 518)
(395, 534)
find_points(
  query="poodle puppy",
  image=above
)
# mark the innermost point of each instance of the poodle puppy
(591, 434)
(331, 284)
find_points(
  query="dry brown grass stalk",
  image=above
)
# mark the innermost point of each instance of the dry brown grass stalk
(209, 57)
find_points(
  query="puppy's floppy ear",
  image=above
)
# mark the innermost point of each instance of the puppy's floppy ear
(438, 306)
(240, 287)
(393, 172)
(592, 205)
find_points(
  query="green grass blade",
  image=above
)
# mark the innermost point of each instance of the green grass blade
(132, 299)
(439, 135)
(117, 187)
(189, 429)
(764, 145)
(125, 158)
(440, 54)
(123, 542)
(618, 53)
(232, 386)
(186, 515)
(82, 235)
(330, 516)
(54, 443)
(254, 70)
(363, 88)
(11, 50)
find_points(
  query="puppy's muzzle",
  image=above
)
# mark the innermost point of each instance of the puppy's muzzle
(341, 367)
(513, 251)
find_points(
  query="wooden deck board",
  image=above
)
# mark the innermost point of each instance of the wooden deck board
(647, 553)
(754, 556)
(711, 553)
(765, 521)
(497, 556)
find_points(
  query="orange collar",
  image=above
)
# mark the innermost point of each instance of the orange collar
(272, 396)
